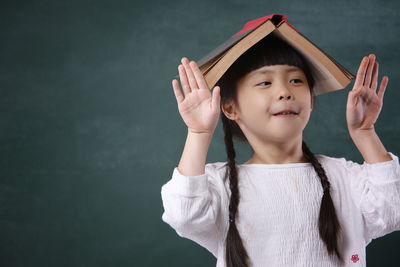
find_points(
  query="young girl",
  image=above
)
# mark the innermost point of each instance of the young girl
(285, 206)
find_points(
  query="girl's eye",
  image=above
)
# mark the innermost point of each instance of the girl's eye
(263, 83)
(298, 81)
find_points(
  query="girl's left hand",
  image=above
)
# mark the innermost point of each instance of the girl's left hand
(363, 102)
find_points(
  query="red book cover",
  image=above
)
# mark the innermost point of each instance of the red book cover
(253, 24)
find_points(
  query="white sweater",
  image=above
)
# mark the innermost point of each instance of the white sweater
(279, 206)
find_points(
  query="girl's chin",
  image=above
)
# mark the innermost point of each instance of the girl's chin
(284, 132)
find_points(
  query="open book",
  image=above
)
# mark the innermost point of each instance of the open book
(329, 75)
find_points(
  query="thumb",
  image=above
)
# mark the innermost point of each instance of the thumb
(216, 98)
(353, 97)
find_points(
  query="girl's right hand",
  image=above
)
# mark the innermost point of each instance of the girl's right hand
(199, 110)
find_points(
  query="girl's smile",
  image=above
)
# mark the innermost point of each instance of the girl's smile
(289, 115)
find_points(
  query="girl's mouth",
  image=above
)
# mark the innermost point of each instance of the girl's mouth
(287, 115)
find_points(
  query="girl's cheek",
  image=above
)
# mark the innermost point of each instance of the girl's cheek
(257, 103)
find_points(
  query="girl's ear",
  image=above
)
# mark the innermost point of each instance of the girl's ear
(229, 110)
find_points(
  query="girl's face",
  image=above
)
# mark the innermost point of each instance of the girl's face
(265, 92)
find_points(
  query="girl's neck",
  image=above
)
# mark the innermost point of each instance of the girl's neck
(283, 160)
(286, 151)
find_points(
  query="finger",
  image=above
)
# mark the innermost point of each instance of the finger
(382, 87)
(178, 95)
(199, 76)
(189, 72)
(184, 79)
(216, 98)
(358, 92)
(371, 63)
(375, 76)
(361, 73)
(352, 99)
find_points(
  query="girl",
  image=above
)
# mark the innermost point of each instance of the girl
(285, 206)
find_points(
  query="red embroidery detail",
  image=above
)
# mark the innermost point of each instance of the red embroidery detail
(354, 258)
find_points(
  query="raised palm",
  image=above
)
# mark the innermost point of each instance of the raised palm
(364, 102)
(198, 108)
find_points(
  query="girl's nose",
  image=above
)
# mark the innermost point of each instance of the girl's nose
(284, 93)
(282, 89)
(288, 97)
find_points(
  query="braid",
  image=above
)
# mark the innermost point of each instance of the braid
(236, 255)
(328, 223)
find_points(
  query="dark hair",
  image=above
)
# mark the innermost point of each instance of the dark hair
(269, 51)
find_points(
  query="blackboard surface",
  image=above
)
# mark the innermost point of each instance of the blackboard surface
(90, 130)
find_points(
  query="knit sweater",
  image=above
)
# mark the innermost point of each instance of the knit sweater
(279, 206)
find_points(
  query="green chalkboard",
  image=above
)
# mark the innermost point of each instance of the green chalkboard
(90, 130)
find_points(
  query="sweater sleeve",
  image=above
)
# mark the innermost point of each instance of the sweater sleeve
(375, 190)
(192, 206)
